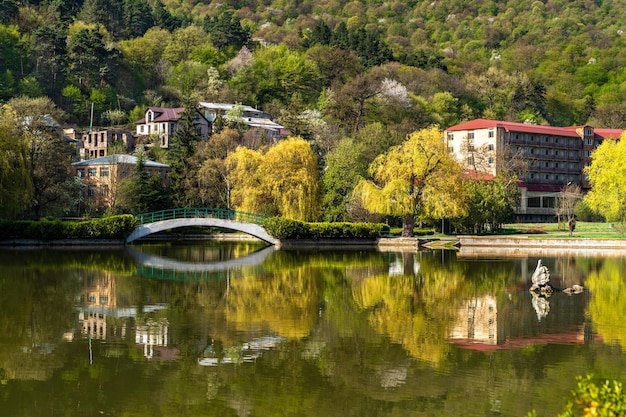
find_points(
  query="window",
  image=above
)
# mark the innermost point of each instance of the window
(588, 141)
(104, 190)
(534, 202)
(104, 299)
(104, 171)
(491, 160)
(450, 149)
(80, 172)
(470, 135)
(92, 298)
(92, 172)
(91, 191)
(450, 136)
(470, 160)
(491, 133)
(588, 154)
(490, 147)
(141, 128)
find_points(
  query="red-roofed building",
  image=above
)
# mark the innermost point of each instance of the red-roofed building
(552, 157)
(162, 122)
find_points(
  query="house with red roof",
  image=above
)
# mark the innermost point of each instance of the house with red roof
(547, 158)
(162, 122)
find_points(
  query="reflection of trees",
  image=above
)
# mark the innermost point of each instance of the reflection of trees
(37, 307)
(608, 303)
(285, 302)
(414, 311)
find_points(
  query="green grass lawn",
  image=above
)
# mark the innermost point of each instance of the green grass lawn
(583, 230)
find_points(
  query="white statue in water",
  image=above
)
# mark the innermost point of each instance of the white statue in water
(541, 282)
(540, 277)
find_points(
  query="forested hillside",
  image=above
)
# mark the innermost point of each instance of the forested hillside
(349, 79)
(406, 64)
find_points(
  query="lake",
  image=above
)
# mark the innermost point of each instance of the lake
(238, 329)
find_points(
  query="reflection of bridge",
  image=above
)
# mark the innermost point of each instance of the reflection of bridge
(155, 266)
(184, 217)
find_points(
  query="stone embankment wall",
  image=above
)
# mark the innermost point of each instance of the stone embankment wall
(526, 242)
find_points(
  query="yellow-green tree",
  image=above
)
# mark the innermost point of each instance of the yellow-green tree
(284, 181)
(607, 175)
(15, 181)
(417, 177)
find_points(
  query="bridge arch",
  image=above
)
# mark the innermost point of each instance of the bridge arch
(227, 219)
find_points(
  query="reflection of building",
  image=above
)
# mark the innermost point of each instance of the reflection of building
(101, 317)
(477, 320)
(154, 335)
(98, 296)
(486, 322)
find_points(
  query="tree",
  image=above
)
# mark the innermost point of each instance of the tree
(607, 176)
(489, 204)
(226, 30)
(48, 52)
(183, 176)
(213, 176)
(566, 202)
(284, 181)
(48, 158)
(345, 166)
(92, 63)
(417, 177)
(143, 192)
(15, 181)
(137, 17)
(290, 178)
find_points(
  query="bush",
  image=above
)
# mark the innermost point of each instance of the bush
(114, 227)
(283, 228)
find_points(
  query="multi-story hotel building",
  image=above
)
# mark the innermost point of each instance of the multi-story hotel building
(548, 158)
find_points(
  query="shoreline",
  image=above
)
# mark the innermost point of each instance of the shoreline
(465, 245)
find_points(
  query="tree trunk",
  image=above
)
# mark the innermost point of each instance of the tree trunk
(408, 224)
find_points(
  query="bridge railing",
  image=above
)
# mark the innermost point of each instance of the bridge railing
(189, 213)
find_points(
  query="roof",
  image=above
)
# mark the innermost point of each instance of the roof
(119, 159)
(514, 127)
(608, 133)
(163, 114)
(226, 106)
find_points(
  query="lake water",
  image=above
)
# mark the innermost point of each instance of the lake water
(232, 329)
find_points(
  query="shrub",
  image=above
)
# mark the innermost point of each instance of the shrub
(114, 227)
(283, 228)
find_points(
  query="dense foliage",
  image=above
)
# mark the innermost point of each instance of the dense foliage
(352, 79)
(554, 60)
(114, 227)
(286, 229)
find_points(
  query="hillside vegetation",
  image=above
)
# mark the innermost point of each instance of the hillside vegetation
(406, 64)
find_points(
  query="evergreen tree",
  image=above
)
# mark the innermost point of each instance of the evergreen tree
(226, 30)
(164, 19)
(182, 175)
(137, 18)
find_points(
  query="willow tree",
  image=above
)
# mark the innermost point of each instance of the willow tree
(284, 181)
(607, 173)
(416, 178)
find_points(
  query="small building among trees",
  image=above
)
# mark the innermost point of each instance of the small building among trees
(107, 178)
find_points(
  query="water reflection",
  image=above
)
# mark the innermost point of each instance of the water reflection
(300, 332)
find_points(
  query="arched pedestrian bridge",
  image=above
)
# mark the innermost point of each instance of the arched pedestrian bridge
(158, 221)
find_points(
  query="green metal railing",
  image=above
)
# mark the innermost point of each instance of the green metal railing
(190, 213)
